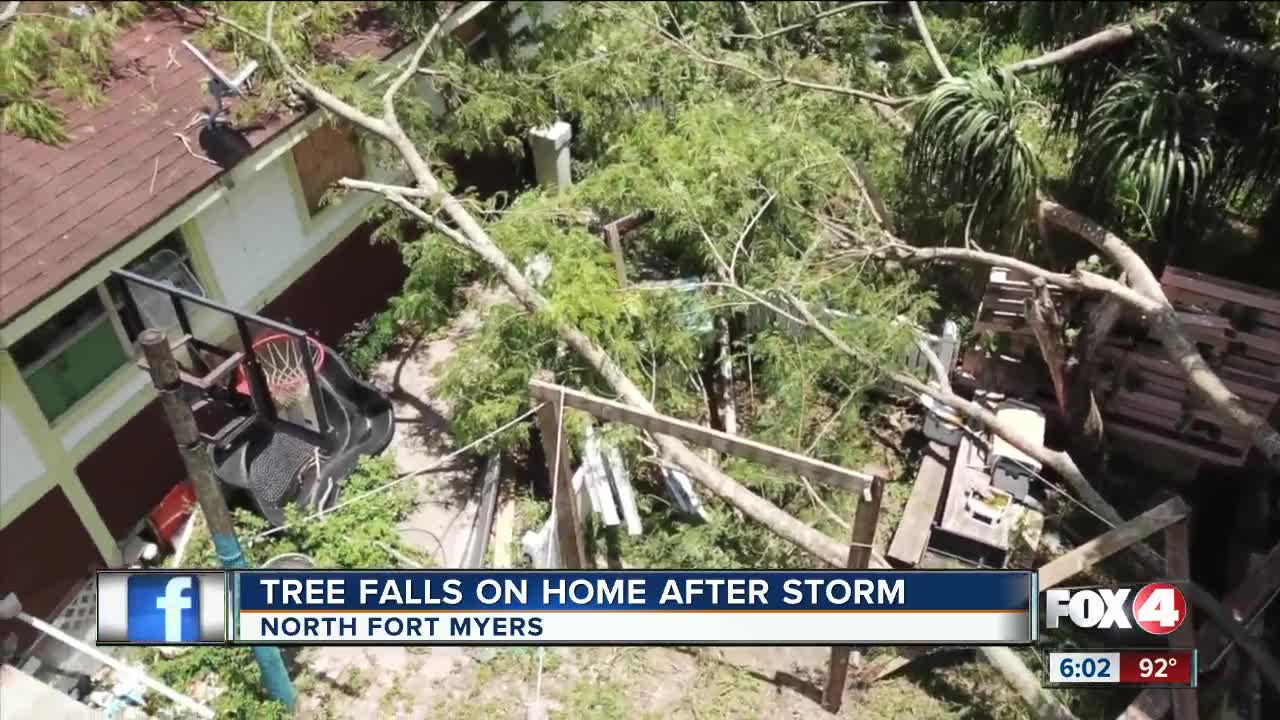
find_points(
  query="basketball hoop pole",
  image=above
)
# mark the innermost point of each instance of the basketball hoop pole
(199, 465)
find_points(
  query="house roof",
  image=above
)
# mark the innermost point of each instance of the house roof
(123, 168)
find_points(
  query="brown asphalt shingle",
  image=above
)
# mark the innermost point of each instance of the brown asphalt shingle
(63, 208)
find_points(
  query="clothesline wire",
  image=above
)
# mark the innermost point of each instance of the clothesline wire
(407, 475)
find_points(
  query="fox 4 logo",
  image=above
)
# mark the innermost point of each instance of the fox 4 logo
(1158, 608)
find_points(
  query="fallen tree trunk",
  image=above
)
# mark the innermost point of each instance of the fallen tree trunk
(1085, 47)
(1084, 415)
(472, 236)
(1062, 464)
(1163, 320)
(467, 232)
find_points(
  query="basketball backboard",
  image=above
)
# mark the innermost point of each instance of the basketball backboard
(268, 363)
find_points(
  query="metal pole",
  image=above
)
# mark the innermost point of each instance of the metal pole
(125, 670)
(199, 465)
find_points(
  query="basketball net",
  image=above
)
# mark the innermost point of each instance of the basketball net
(284, 368)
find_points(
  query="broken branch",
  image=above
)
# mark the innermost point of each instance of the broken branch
(927, 39)
(803, 23)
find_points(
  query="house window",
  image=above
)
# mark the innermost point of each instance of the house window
(328, 154)
(168, 261)
(64, 359)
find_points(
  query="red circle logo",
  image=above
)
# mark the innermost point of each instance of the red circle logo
(1159, 608)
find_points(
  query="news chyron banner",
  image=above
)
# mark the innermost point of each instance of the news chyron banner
(699, 607)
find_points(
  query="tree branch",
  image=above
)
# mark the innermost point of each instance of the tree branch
(1062, 464)
(1084, 414)
(1047, 326)
(782, 79)
(803, 23)
(471, 235)
(1080, 281)
(411, 67)
(322, 97)
(377, 187)
(742, 237)
(1078, 50)
(1167, 328)
(928, 40)
(10, 9)
(941, 372)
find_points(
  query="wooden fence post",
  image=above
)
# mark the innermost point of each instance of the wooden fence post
(568, 525)
(614, 238)
(1178, 565)
(864, 535)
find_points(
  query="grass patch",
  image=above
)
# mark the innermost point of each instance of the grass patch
(722, 691)
(369, 342)
(232, 672)
(595, 700)
(489, 690)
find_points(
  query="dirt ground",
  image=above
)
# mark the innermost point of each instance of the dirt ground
(617, 683)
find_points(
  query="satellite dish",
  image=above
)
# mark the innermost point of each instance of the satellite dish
(223, 143)
(222, 85)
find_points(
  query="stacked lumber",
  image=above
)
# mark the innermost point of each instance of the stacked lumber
(1146, 403)
(1146, 399)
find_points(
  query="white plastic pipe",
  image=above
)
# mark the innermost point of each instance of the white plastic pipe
(165, 690)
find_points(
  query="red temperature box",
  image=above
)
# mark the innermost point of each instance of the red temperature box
(1158, 667)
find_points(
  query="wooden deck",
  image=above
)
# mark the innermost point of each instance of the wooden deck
(1245, 601)
(912, 536)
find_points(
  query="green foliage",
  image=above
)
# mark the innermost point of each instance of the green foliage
(1151, 132)
(369, 342)
(233, 670)
(705, 172)
(723, 542)
(966, 145)
(56, 50)
(352, 537)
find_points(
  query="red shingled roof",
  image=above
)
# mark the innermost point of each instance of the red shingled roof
(62, 208)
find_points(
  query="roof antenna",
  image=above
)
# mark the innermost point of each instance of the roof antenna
(222, 85)
(221, 142)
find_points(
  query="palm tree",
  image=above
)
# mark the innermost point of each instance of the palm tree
(1168, 126)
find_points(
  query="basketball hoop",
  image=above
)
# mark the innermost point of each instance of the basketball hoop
(285, 370)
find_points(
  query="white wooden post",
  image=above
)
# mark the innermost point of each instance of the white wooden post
(551, 154)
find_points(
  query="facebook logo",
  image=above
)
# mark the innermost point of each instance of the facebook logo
(163, 608)
(159, 608)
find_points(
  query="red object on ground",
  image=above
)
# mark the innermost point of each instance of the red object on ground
(168, 517)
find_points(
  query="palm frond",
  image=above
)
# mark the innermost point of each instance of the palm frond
(1150, 135)
(965, 147)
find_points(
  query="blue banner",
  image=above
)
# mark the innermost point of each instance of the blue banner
(658, 590)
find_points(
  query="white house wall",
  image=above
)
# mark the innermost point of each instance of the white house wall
(255, 234)
(104, 411)
(19, 463)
